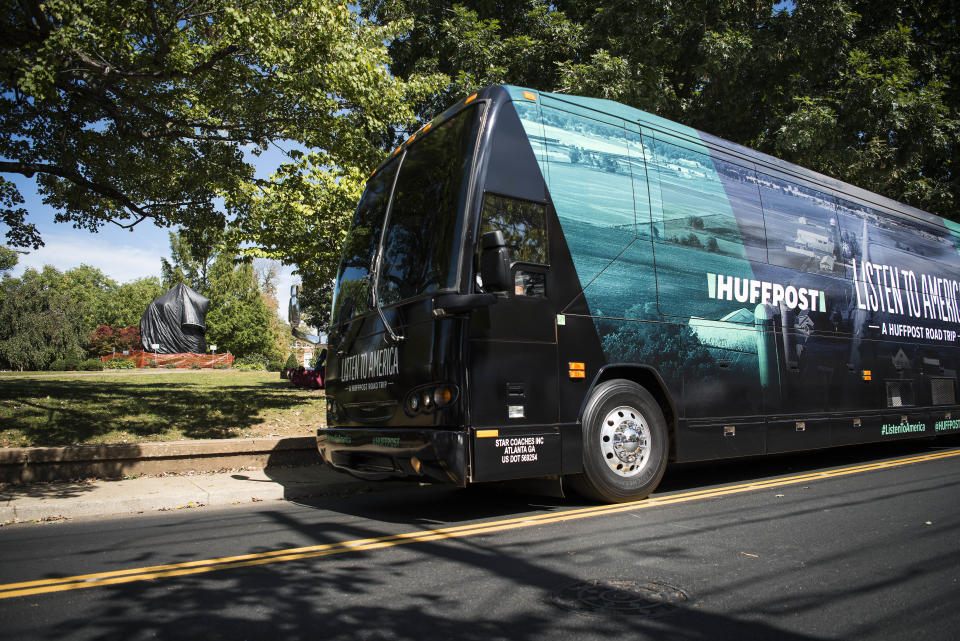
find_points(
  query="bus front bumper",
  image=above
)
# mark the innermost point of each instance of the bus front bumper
(416, 455)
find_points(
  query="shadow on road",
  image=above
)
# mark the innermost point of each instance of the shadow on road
(487, 587)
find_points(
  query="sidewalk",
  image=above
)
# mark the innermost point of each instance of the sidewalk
(84, 499)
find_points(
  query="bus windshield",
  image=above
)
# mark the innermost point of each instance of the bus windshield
(352, 290)
(421, 241)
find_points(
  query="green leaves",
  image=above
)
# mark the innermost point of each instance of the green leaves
(301, 218)
(144, 113)
(43, 317)
(865, 92)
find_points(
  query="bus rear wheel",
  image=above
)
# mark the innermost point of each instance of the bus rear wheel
(625, 443)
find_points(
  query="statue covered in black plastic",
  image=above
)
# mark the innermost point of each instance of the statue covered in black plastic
(176, 322)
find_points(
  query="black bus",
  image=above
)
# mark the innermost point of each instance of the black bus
(543, 285)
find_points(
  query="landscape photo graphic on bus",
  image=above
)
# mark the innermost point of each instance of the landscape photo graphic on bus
(722, 255)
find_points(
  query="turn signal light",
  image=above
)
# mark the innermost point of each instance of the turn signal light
(867, 376)
(442, 396)
(577, 370)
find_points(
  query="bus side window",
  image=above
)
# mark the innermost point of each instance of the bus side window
(708, 204)
(854, 219)
(524, 227)
(802, 228)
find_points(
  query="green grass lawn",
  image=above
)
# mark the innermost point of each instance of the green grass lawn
(133, 406)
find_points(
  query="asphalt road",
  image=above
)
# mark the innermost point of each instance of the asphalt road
(854, 543)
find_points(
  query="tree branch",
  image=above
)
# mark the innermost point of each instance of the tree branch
(28, 169)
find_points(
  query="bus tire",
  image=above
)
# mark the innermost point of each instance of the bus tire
(625, 443)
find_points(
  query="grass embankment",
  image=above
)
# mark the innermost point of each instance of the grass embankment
(136, 406)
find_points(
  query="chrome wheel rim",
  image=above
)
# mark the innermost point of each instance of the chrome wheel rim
(625, 441)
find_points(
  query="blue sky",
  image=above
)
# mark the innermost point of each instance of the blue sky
(121, 254)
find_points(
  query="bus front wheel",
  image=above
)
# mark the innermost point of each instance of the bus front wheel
(625, 443)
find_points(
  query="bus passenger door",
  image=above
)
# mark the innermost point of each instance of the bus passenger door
(512, 345)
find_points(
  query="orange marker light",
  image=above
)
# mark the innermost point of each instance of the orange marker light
(577, 370)
(529, 95)
(867, 376)
(470, 99)
(427, 127)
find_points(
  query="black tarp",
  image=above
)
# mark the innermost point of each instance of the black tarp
(176, 322)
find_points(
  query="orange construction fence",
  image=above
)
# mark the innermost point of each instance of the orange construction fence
(186, 360)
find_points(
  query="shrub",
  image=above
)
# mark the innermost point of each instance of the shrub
(252, 359)
(120, 363)
(65, 365)
(250, 367)
(106, 339)
(170, 366)
(92, 365)
(274, 366)
(220, 366)
(194, 366)
(291, 362)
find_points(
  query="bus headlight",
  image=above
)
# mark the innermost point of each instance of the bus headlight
(429, 398)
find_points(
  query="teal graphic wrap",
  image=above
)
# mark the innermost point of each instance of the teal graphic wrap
(648, 218)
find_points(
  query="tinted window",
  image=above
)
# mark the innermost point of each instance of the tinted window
(350, 297)
(698, 209)
(740, 186)
(422, 238)
(591, 180)
(802, 228)
(854, 220)
(523, 223)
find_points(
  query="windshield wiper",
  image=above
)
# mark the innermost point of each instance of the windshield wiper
(374, 286)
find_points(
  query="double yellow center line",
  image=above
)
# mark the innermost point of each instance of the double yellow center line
(43, 586)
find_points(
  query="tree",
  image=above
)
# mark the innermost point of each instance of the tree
(145, 113)
(478, 43)
(40, 321)
(106, 340)
(302, 219)
(267, 273)
(124, 305)
(8, 259)
(190, 260)
(240, 318)
(881, 108)
(89, 290)
(867, 93)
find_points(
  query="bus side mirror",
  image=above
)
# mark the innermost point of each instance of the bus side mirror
(495, 262)
(293, 309)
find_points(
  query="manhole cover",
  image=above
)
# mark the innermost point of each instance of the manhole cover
(621, 597)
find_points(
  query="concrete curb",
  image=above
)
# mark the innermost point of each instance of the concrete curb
(85, 499)
(21, 465)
